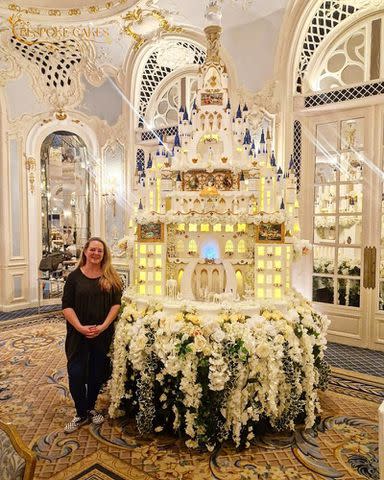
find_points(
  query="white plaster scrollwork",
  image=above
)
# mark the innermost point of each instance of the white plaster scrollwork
(56, 69)
(261, 104)
(10, 66)
(30, 165)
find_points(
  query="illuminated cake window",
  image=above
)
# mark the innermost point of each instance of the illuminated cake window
(158, 262)
(260, 278)
(260, 292)
(181, 227)
(229, 228)
(142, 275)
(192, 227)
(158, 290)
(277, 263)
(192, 246)
(260, 264)
(210, 250)
(142, 289)
(296, 228)
(241, 246)
(229, 246)
(204, 227)
(158, 276)
(158, 249)
(143, 248)
(143, 262)
(260, 250)
(277, 293)
(217, 227)
(241, 227)
(278, 251)
(277, 278)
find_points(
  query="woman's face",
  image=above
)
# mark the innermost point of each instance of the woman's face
(94, 253)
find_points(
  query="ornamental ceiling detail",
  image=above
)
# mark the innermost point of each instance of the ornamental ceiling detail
(55, 67)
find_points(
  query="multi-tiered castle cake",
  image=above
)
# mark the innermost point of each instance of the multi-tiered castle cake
(216, 216)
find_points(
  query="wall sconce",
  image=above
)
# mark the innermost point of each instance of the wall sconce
(109, 194)
(30, 165)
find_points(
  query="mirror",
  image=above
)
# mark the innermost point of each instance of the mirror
(65, 206)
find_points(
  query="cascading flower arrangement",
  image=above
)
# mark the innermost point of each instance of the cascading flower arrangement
(217, 379)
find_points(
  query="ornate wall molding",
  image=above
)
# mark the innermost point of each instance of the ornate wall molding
(56, 69)
(261, 104)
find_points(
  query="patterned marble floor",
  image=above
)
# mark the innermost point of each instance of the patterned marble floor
(34, 395)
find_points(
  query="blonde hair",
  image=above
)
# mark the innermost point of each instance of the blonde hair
(109, 277)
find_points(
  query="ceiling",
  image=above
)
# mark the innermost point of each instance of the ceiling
(186, 12)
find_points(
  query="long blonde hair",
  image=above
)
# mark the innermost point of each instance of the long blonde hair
(109, 277)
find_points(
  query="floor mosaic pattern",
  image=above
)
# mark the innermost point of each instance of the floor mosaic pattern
(34, 396)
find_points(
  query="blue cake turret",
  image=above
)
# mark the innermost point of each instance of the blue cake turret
(149, 163)
(282, 206)
(177, 141)
(273, 159)
(185, 115)
(247, 137)
(262, 138)
(291, 164)
(238, 113)
(228, 107)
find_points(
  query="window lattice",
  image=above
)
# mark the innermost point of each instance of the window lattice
(140, 159)
(336, 96)
(160, 132)
(167, 109)
(344, 64)
(55, 60)
(296, 157)
(154, 73)
(330, 14)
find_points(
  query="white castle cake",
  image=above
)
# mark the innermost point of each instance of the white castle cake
(216, 217)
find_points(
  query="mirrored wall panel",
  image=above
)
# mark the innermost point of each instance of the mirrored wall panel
(64, 194)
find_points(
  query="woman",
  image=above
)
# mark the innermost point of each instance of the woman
(91, 302)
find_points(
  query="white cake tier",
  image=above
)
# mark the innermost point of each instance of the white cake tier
(208, 310)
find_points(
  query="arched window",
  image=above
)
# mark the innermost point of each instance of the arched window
(349, 59)
(241, 246)
(156, 103)
(229, 246)
(192, 246)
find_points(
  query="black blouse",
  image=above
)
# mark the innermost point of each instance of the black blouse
(91, 305)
